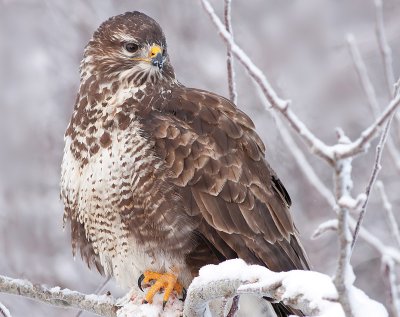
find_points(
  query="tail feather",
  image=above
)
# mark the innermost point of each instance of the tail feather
(282, 310)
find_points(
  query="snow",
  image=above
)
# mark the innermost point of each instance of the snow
(310, 291)
(331, 224)
(131, 306)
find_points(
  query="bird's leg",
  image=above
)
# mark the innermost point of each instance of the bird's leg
(166, 281)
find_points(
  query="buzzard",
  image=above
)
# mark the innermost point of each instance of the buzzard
(159, 179)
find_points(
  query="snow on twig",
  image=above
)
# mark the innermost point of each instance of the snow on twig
(374, 175)
(369, 91)
(311, 292)
(316, 182)
(344, 273)
(387, 206)
(330, 225)
(258, 76)
(393, 291)
(4, 312)
(100, 305)
(229, 57)
(384, 48)
(302, 162)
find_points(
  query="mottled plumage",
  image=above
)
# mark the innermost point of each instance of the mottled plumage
(157, 176)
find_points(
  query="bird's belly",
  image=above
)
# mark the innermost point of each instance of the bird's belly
(97, 190)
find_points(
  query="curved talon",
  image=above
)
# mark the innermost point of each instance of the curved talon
(184, 293)
(163, 304)
(140, 280)
(163, 282)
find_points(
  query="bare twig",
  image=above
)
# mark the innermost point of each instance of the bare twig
(304, 165)
(235, 307)
(362, 73)
(317, 146)
(387, 206)
(101, 305)
(4, 312)
(370, 94)
(393, 299)
(374, 175)
(229, 57)
(384, 48)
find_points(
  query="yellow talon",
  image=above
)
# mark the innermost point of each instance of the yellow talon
(166, 281)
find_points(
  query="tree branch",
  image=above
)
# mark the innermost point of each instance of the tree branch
(343, 186)
(4, 312)
(374, 175)
(229, 57)
(384, 48)
(387, 206)
(294, 288)
(65, 298)
(369, 91)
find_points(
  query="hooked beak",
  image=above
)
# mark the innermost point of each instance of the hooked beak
(156, 56)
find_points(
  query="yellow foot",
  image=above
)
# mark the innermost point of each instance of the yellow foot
(166, 281)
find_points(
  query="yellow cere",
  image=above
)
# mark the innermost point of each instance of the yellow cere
(155, 49)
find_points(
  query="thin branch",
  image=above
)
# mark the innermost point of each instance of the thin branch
(4, 312)
(317, 146)
(305, 166)
(235, 307)
(369, 91)
(393, 292)
(362, 73)
(229, 57)
(100, 305)
(374, 175)
(384, 48)
(387, 206)
(257, 75)
(366, 136)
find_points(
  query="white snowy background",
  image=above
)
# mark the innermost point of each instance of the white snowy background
(300, 45)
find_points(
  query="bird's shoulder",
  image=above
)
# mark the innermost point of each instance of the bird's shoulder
(211, 149)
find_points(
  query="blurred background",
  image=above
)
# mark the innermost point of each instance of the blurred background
(299, 44)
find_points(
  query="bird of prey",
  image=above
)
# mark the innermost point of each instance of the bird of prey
(159, 179)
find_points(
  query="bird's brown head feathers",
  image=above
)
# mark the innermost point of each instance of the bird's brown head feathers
(130, 46)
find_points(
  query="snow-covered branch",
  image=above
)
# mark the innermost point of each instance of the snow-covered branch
(101, 305)
(311, 292)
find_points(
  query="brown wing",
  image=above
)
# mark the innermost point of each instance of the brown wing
(217, 158)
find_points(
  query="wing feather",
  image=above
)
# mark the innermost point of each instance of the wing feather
(217, 159)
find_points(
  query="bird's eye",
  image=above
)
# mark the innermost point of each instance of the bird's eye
(131, 47)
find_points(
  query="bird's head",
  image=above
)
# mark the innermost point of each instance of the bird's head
(130, 46)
